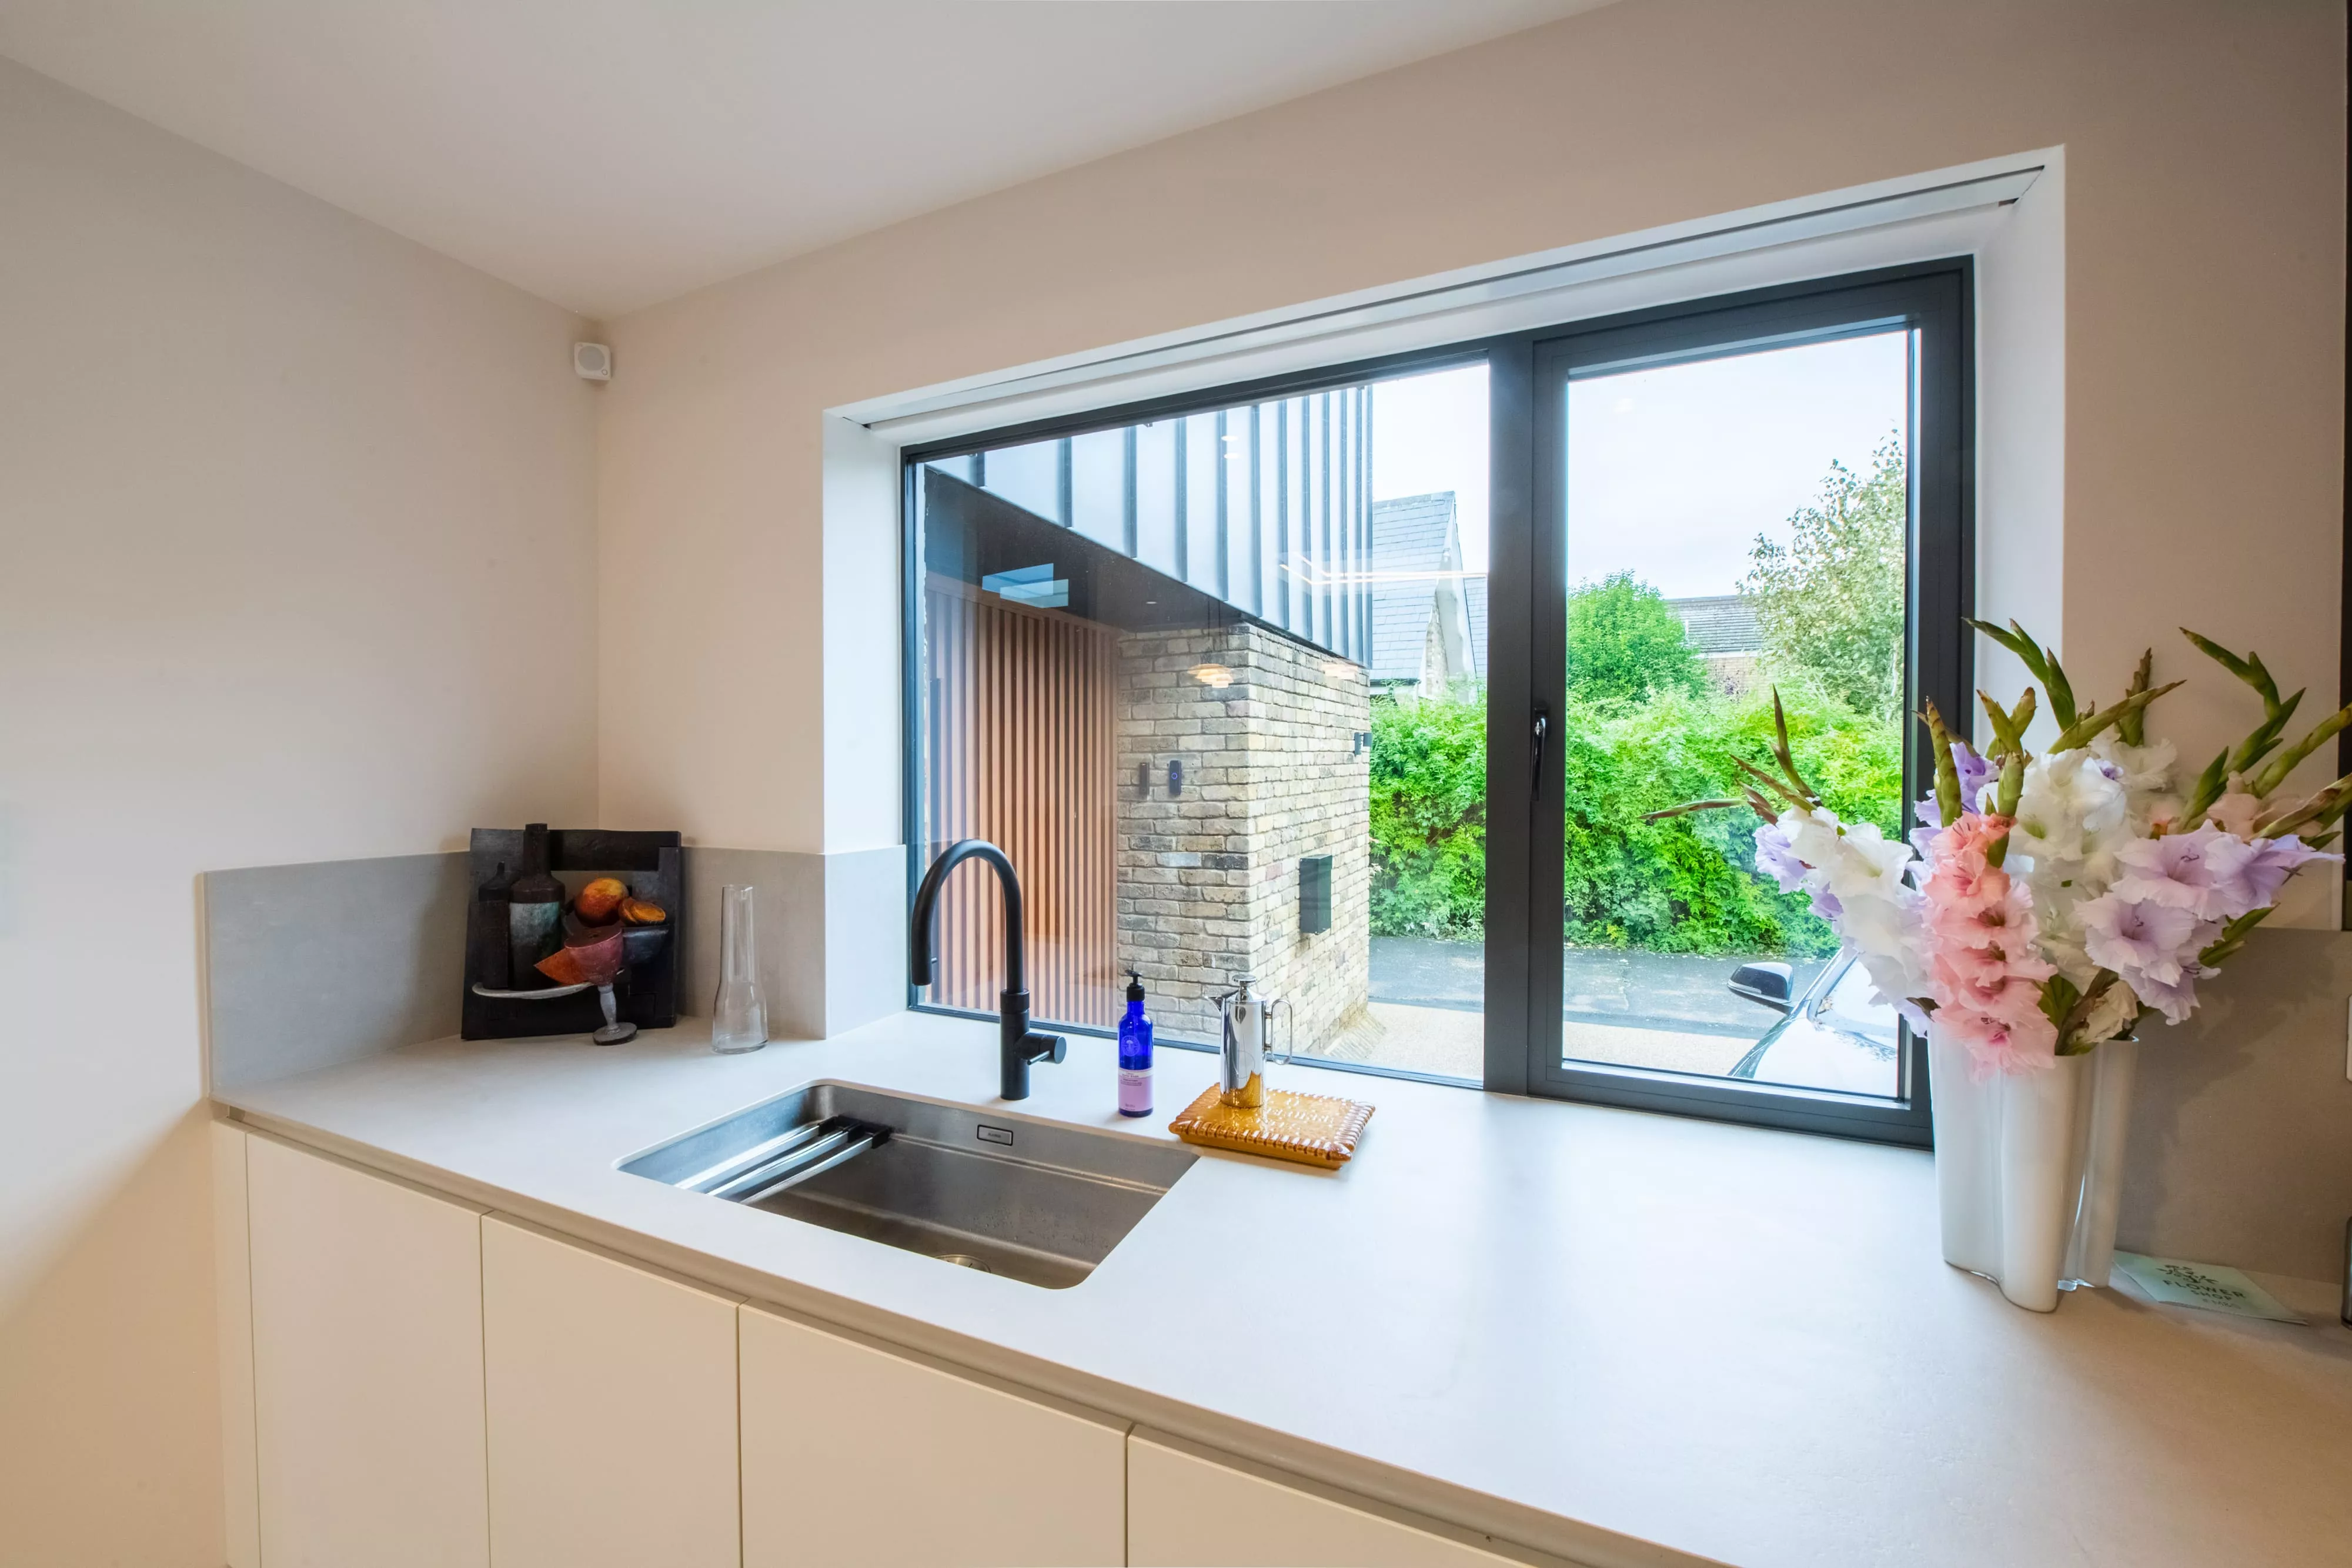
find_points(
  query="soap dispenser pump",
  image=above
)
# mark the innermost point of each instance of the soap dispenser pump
(1135, 1052)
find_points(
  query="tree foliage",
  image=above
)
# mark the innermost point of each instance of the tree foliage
(1625, 644)
(1831, 603)
(1429, 818)
(1645, 730)
(1683, 885)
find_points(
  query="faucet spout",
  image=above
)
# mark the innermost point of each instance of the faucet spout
(1017, 1044)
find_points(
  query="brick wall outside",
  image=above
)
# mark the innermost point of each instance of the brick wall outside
(1208, 879)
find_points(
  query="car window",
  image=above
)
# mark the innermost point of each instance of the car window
(1853, 1008)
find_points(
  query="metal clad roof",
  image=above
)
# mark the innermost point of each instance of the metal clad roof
(1410, 536)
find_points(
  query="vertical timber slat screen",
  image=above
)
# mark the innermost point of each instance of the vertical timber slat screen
(1020, 755)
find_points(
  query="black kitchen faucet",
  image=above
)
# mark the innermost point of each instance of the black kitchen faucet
(1017, 1044)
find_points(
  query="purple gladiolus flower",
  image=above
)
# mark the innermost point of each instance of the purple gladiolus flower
(2211, 874)
(2159, 940)
(2176, 1001)
(1974, 771)
(2248, 875)
(1777, 860)
(2175, 871)
(1931, 823)
(2152, 945)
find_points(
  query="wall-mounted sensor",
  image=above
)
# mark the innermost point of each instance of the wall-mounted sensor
(1175, 779)
(591, 362)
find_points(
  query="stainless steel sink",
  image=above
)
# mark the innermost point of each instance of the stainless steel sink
(1036, 1201)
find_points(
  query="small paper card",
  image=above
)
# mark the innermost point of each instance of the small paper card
(2208, 1285)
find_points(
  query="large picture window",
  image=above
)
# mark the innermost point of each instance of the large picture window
(1362, 685)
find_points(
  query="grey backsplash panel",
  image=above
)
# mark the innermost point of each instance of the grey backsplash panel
(866, 915)
(308, 966)
(788, 928)
(2241, 1148)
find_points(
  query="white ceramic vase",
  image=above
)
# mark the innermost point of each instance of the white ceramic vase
(2029, 1168)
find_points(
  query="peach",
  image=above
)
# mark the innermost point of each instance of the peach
(599, 899)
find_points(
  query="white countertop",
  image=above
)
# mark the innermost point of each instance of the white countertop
(1594, 1333)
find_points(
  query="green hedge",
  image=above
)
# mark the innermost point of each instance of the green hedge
(1678, 886)
(1429, 818)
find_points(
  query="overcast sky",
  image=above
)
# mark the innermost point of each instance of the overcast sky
(1671, 473)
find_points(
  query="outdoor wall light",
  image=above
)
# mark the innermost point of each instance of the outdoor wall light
(1212, 675)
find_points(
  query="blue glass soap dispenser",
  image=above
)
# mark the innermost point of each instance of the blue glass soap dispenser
(1134, 1052)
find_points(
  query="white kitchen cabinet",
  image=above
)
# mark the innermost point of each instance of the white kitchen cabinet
(1184, 1510)
(233, 1321)
(612, 1411)
(855, 1455)
(367, 1368)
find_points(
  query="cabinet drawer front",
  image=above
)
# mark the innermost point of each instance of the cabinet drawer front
(612, 1411)
(367, 1359)
(853, 1455)
(1184, 1511)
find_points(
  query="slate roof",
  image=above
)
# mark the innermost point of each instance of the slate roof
(1720, 623)
(1409, 536)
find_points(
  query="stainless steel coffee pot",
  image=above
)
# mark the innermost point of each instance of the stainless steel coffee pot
(1247, 1044)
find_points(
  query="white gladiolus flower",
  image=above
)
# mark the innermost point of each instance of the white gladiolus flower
(2146, 774)
(1857, 881)
(2072, 815)
(2070, 809)
(2112, 1014)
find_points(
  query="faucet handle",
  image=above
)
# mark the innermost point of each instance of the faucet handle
(1038, 1047)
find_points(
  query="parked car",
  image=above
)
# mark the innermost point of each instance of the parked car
(1836, 1036)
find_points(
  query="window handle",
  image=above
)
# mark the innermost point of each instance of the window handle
(1543, 728)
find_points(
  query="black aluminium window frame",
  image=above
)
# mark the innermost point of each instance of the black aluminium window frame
(1935, 300)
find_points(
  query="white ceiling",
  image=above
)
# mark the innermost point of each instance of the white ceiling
(606, 154)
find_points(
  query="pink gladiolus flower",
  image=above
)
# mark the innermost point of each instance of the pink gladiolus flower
(1995, 1045)
(1987, 972)
(2236, 812)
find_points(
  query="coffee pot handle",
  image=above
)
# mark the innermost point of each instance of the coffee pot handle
(1289, 1030)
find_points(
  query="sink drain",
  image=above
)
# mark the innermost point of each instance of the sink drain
(963, 1261)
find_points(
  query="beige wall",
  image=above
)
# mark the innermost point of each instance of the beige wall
(271, 479)
(2204, 149)
(296, 556)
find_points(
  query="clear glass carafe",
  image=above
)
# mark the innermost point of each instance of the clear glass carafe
(739, 1015)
